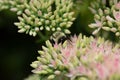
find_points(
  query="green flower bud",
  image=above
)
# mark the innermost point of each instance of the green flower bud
(96, 31)
(14, 9)
(39, 13)
(22, 30)
(27, 12)
(67, 31)
(63, 24)
(43, 72)
(100, 11)
(113, 29)
(97, 17)
(106, 28)
(117, 33)
(51, 77)
(36, 29)
(57, 72)
(21, 19)
(43, 60)
(109, 23)
(41, 52)
(30, 32)
(27, 27)
(41, 28)
(47, 28)
(35, 64)
(34, 34)
(107, 11)
(48, 44)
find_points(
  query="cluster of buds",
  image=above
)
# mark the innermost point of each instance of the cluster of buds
(17, 6)
(48, 15)
(106, 16)
(80, 58)
(39, 15)
(4, 4)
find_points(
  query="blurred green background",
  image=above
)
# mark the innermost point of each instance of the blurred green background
(17, 50)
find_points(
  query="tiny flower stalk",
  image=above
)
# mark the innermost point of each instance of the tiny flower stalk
(81, 58)
(106, 16)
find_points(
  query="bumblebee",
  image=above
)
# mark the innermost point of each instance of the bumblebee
(59, 37)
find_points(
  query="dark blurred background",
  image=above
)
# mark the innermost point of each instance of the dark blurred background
(17, 51)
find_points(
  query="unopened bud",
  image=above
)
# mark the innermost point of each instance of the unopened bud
(97, 16)
(27, 12)
(51, 77)
(41, 28)
(57, 72)
(34, 33)
(109, 23)
(110, 19)
(100, 12)
(113, 29)
(96, 31)
(117, 34)
(22, 30)
(67, 31)
(106, 28)
(27, 27)
(39, 13)
(47, 28)
(36, 29)
(14, 9)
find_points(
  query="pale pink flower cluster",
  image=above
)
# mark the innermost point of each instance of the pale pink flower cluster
(79, 58)
(107, 16)
(99, 61)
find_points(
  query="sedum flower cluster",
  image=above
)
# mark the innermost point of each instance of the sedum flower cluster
(47, 16)
(80, 58)
(106, 16)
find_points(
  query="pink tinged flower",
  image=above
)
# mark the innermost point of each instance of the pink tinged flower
(101, 71)
(53, 64)
(116, 64)
(71, 73)
(84, 58)
(117, 5)
(93, 44)
(96, 31)
(98, 24)
(38, 69)
(112, 63)
(116, 15)
(66, 53)
(77, 71)
(82, 70)
(55, 45)
(110, 18)
(65, 61)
